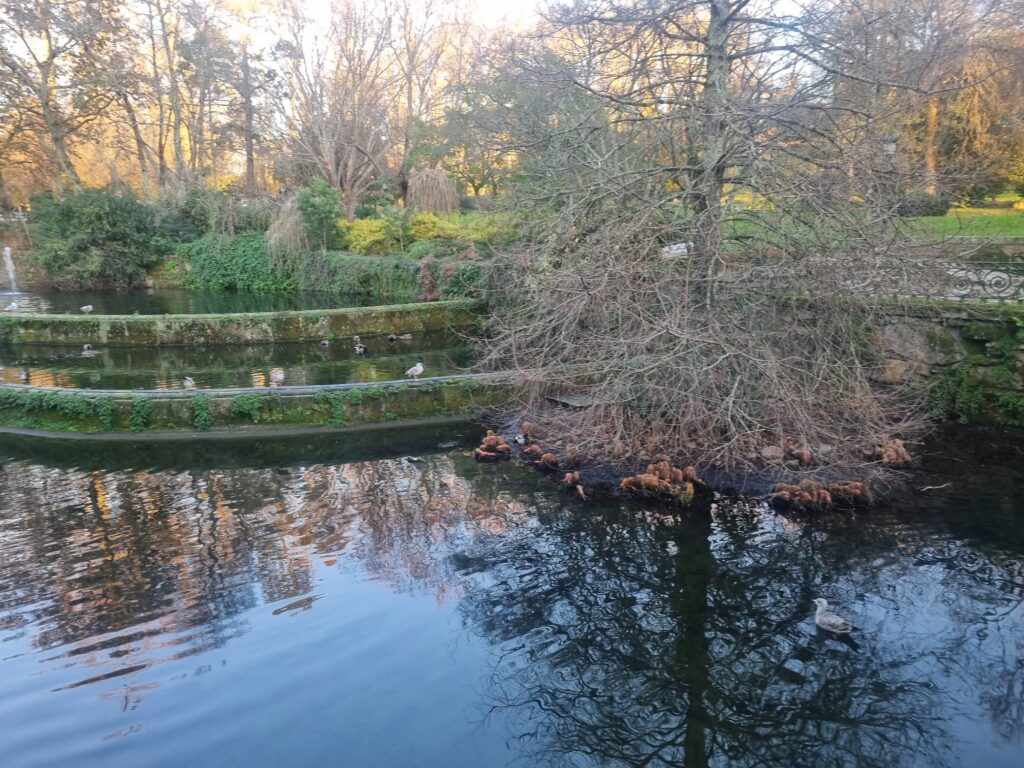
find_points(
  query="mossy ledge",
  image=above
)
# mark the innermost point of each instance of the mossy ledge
(113, 411)
(247, 328)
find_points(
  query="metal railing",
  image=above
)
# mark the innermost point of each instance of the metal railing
(970, 282)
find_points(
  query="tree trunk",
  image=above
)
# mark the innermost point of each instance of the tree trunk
(140, 146)
(173, 94)
(248, 130)
(931, 136)
(711, 181)
(57, 149)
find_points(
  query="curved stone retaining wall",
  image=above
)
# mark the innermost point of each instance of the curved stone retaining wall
(66, 410)
(970, 356)
(251, 328)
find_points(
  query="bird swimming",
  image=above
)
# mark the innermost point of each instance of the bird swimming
(359, 346)
(415, 371)
(87, 308)
(829, 621)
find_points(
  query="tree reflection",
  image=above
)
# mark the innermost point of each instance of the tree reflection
(625, 636)
(142, 567)
(653, 641)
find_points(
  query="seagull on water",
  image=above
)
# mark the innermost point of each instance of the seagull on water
(829, 621)
(87, 308)
(415, 371)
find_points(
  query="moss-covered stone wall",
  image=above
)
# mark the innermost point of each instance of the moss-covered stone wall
(64, 411)
(252, 328)
(971, 358)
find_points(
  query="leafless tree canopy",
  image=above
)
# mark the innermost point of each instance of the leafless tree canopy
(713, 183)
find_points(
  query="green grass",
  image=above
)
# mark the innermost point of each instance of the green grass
(971, 222)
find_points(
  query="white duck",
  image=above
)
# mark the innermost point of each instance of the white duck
(188, 382)
(87, 308)
(829, 621)
(415, 371)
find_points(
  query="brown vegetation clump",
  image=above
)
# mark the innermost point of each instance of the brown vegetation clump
(548, 461)
(662, 479)
(573, 480)
(532, 452)
(810, 495)
(492, 448)
(433, 191)
(893, 453)
(428, 285)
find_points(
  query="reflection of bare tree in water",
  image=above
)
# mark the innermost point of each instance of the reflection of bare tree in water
(627, 638)
(139, 555)
(643, 644)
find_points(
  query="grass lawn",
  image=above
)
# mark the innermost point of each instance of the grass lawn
(971, 222)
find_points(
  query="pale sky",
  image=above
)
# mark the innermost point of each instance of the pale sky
(487, 12)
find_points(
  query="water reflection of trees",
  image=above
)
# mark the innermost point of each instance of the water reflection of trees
(164, 564)
(626, 637)
(667, 642)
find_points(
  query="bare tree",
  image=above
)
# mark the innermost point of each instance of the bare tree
(50, 51)
(338, 86)
(709, 199)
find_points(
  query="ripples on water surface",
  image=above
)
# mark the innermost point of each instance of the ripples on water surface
(443, 613)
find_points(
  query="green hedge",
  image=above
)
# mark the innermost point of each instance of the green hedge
(239, 263)
(95, 238)
(391, 278)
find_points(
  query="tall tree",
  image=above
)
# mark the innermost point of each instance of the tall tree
(50, 51)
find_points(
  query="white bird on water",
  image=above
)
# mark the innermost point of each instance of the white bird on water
(87, 308)
(415, 371)
(188, 382)
(829, 621)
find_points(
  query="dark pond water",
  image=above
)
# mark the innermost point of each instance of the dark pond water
(172, 301)
(290, 605)
(258, 365)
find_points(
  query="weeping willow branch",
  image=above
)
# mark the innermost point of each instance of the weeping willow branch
(433, 191)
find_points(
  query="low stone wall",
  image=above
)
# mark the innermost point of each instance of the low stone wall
(971, 358)
(252, 328)
(62, 410)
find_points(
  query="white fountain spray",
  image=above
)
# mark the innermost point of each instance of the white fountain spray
(12, 275)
